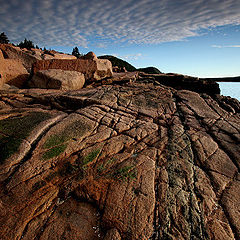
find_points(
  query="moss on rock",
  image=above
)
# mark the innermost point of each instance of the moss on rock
(16, 128)
(57, 143)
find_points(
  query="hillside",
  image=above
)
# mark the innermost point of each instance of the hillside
(121, 64)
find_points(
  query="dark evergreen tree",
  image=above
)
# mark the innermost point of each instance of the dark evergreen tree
(28, 44)
(3, 38)
(75, 52)
(37, 47)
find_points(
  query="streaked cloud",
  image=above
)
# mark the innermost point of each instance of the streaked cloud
(102, 23)
(226, 46)
(132, 56)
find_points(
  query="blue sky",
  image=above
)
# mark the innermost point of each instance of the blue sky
(194, 37)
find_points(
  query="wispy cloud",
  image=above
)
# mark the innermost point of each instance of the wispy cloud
(84, 22)
(226, 46)
(132, 56)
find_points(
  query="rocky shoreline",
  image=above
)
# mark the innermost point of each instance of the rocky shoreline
(128, 156)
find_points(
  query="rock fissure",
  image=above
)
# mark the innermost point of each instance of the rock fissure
(143, 155)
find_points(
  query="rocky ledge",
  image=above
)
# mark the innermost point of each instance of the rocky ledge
(131, 161)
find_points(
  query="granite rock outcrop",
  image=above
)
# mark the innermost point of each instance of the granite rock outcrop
(28, 57)
(57, 79)
(131, 161)
(13, 72)
(93, 69)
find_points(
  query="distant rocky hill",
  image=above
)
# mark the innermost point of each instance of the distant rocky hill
(91, 154)
(149, 70)
(117, 62)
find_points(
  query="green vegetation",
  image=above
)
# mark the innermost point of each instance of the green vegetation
(8, 146)
(119, 63)
(54, 152)
(3, 38)
(55, 140)
(91, 156)
(15, 129)
(125, 173)
(28, 44)
(57, 143)
(75, 52)
(149, 70)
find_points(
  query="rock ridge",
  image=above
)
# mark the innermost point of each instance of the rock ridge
(129, 161)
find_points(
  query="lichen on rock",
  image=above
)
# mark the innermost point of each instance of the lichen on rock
(130, 161)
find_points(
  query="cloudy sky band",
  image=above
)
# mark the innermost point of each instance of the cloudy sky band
(84, 22)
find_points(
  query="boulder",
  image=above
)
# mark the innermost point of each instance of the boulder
(55, 55)
(24, 56)
(1, 54)
(28, 57)
(179, 81)
(57, 79)
(93, 69)
(13, 72)
(90, 55)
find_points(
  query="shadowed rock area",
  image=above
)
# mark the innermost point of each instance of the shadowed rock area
(130, 161)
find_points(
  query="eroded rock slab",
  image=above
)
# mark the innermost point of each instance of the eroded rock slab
(57, 79)
(93, 69)
(134, 161)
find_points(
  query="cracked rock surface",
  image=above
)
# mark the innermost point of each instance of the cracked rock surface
(135, 161)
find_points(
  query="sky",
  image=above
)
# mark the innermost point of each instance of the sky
(194, 37)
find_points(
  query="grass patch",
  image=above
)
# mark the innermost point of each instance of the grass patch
(54, 152)
(54, 140)
(17, 128)
(91, 156)
(57, 143)
(8, 146)
(21, 126)
(125, 173)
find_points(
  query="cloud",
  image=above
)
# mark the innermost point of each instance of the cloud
(132, 56)
(226, 46)
(102, 23)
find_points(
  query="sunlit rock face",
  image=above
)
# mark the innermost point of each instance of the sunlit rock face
(131, 161)
(57, 79)
(92, 68)
(30, 56)
(12, 72)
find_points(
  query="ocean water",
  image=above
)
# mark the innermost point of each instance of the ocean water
(231, 89)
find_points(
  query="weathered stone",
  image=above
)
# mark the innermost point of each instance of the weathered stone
(90, 56)
(112, 234)
(92, 69)
(13, 72)
(12, 52)
(155, 162)
(28, 57)
(57, 79)
(179, 81)
(1, 54)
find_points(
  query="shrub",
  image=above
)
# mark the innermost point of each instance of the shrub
(28, 44)
(75, 52)
(3, 38)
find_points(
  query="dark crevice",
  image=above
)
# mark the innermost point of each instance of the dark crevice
(233, 228)
(201, 230)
